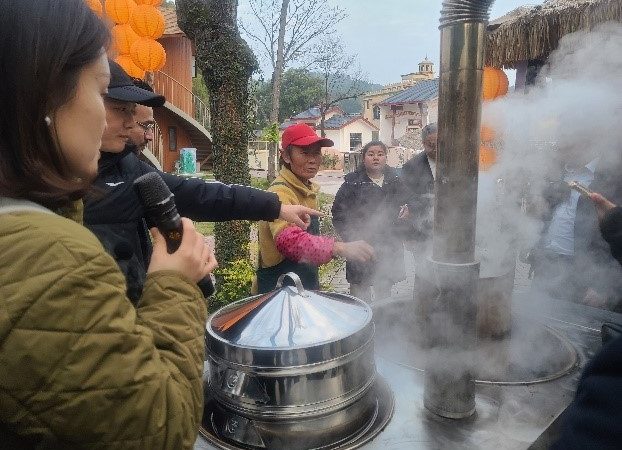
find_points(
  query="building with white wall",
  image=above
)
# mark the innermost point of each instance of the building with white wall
(372, 100)
(408, 112)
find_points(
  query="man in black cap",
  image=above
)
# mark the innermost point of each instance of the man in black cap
(114, 212)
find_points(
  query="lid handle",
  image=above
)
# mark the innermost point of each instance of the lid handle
(296, 279)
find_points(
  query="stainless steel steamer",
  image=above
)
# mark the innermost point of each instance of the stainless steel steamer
(293, 369)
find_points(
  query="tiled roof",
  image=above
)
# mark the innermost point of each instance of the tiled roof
(336, 122)
(170, 21)
(286, 124)
(340, 121)
(315, 113)
(311, 113)
(422, 91)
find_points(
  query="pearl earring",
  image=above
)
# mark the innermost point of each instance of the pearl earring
(48, 121)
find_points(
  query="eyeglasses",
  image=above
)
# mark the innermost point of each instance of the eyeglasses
(146, 126)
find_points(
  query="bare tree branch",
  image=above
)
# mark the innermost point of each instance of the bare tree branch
(336, 68)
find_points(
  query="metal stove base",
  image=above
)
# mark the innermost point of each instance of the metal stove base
(508, 416)
(385, 404)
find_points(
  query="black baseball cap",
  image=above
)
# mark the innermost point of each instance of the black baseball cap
(122, 88)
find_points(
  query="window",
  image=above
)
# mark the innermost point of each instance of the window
(172, 138)
(377, 112)
(356, 141)
(375, 135)
(193, 67)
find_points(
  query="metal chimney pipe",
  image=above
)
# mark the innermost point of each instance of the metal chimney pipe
(452, 272)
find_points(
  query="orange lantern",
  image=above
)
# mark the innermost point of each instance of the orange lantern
(123, 36)
(149, 2)
(487, 157)
(147, 22)
(487, 134)
(148, 54)
(490, 83)
(96, 6)
(494, 83)
(120, 11)
(125, 61)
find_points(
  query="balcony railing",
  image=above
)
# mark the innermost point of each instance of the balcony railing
(183, 98)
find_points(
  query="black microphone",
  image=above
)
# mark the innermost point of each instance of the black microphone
(160, 210)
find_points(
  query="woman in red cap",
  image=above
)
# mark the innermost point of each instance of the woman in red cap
(284, 248)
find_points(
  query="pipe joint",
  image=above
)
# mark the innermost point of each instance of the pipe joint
(460, 11)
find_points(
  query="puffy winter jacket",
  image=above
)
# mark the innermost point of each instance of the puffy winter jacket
(115, 214)
(364, 210)
(80, 367)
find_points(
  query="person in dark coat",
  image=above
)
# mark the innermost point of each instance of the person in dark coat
(418, 176)
(114, 212)
(594, 417)
(367, 206)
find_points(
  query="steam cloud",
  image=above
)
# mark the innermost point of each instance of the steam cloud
(572, 114)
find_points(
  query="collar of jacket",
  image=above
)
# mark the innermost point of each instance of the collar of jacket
(73, 211)
(108, 160)
(291, 179)
(360, 176)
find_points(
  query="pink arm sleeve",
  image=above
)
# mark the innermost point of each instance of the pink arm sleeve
(299, 246)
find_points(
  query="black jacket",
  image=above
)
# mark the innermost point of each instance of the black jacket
(594, 419)
(362, 210)
(419, 181)
(116, 217)
(611, 229)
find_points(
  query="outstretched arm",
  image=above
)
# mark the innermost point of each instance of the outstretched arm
(299, 246)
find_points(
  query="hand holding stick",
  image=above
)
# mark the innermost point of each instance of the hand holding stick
(602, 204)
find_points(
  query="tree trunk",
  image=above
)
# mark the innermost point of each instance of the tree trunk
(325, 106)
(277, 77)
(227, 64)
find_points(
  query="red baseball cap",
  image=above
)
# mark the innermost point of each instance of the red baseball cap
(302, 135)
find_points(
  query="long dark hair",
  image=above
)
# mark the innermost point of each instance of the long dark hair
(44, 45)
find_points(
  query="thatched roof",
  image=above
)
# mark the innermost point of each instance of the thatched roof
(532, 32)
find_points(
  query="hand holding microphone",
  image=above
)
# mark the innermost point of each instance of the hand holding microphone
(177, 245)
(194, 257)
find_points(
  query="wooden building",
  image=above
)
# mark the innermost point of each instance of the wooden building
(184, 120)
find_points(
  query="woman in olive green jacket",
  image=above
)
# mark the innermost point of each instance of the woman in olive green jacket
(80, 367)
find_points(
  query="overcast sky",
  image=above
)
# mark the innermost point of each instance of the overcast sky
(391, 37)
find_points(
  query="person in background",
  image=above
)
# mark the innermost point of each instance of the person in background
(284, 248)
(418, 176)
(143, 131)
(367, 206)
(114, 213)
(80, 367)
(571, 261)
(592, 421)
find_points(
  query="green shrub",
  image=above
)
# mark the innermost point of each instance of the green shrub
(233, 283)
(329, 161)
(260, 183)
(329, 271)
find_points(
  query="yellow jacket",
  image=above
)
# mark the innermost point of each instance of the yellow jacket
(291, 191)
